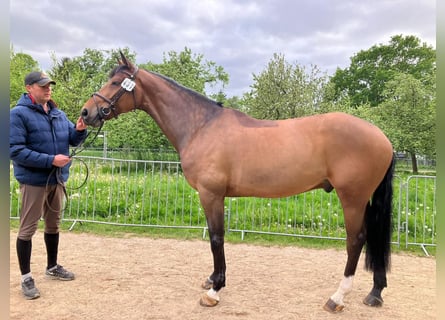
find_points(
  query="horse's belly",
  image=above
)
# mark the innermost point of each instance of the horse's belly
(273, 183)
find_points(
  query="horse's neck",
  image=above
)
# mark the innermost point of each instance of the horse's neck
(177, 116)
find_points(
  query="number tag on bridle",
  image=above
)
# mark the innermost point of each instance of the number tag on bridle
(128, 84)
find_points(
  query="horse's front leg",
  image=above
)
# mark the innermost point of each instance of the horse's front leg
(214, 210)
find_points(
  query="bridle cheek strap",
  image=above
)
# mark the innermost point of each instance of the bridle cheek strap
(127, 85)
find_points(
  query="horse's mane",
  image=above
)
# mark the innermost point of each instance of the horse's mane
(180, 87)
(172, 82)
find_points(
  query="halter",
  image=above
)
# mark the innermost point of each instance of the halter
(127, 85)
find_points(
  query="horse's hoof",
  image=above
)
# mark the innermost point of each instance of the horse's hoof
(207, 301)
(373, 301)
(208, 284)
(332, 306)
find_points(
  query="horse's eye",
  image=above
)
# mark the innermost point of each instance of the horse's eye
(115, 83)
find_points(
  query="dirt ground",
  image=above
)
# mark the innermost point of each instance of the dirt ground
(144, 278)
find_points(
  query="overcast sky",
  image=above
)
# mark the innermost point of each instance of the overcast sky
(241, 36)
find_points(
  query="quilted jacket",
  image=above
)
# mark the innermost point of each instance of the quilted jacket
(35, 137)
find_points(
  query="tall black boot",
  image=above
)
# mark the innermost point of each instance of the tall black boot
(52, 246)
(24, 248)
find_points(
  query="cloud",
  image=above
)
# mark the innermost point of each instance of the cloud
(241, 36)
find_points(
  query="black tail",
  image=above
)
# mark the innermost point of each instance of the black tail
(379, 224)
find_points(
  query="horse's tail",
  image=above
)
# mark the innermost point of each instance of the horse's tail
(378, 224)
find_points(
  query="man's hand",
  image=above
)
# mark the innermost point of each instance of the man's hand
(61, 160)
(80, 125)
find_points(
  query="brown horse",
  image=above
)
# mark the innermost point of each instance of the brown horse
(226, 153)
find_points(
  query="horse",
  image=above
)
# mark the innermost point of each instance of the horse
(226, 153)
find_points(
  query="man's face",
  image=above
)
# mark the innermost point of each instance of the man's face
(42, 94)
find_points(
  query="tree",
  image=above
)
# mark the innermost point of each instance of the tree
(20, 65)
(365, 79)
(284, 91)
(408, 116)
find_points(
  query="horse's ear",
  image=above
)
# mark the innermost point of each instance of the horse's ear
(123, 59)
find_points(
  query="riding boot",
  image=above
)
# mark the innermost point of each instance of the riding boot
(52, 245)
(24, 248)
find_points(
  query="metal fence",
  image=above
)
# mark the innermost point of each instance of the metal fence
(156, 194)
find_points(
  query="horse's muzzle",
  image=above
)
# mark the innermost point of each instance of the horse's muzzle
(90, 119)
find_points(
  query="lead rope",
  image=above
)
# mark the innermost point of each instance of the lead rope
(57, 171)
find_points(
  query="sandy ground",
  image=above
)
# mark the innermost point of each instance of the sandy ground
(144, 278)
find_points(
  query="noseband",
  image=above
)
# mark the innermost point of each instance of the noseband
(127, 85)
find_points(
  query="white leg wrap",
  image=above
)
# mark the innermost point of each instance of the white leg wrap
(344, 288)
(213, 294)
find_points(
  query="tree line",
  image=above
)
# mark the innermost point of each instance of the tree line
(392, 85)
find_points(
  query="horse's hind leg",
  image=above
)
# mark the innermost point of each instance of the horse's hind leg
(355, 239)
(374, 298)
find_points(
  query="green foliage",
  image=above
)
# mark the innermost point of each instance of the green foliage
(285, 91)
(365, 79)
(408, 115)
(20, 65)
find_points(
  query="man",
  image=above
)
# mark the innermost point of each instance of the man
(39, 139)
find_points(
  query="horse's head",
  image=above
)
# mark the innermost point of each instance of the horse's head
(115, 97)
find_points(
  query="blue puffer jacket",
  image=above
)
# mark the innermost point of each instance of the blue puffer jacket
(36, 137)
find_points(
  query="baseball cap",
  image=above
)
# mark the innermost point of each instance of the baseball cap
(38, 77)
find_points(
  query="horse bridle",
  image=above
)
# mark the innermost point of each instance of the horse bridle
(127, 85)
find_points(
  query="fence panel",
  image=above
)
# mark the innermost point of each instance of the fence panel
(420, 212)
(133, 192)
(156, 194)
